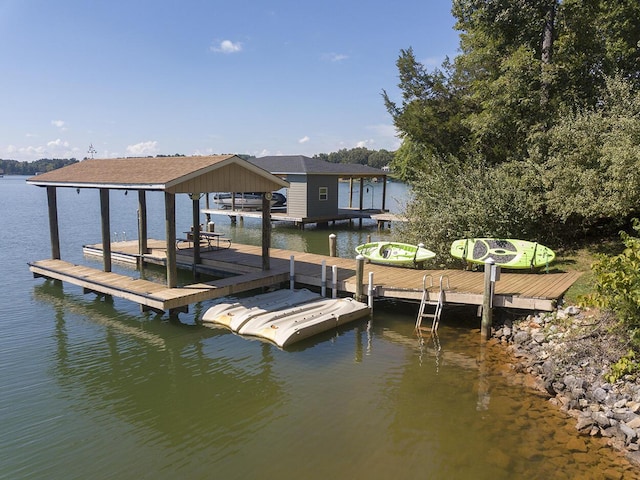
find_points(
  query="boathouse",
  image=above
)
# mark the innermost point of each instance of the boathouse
(313, 183)
(194, 176)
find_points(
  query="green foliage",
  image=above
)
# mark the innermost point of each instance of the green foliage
(617, 283)
(13, 167)
(591, 167)
(360, 156)
(626, 365)
(536, 122)
(454, 199)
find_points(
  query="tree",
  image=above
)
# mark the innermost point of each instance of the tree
(524, 100)
(592, 169)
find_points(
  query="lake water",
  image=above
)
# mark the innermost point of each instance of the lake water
(95, 389)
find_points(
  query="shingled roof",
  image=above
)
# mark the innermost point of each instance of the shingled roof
(299, 164)
(218, 173)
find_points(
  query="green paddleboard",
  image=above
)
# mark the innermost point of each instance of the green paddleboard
(508, 253)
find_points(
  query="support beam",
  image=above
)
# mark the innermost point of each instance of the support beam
(170, 233)
(54, 233)
(384, 193)
(266, 230)
(195, 221)
(143, 247)
(106, 229)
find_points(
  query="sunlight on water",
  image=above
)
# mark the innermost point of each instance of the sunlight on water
(95, 389)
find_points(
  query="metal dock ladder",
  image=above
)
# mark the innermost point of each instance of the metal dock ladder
(438, 303)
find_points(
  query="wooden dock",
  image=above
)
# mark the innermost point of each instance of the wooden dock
(526, 291)
(280, 215)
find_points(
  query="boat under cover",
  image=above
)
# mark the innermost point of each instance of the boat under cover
(285, 317)
(247, 200)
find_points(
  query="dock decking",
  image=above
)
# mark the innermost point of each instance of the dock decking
(514, 290)
(280, 215)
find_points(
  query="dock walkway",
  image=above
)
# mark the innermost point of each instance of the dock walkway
(527, 291)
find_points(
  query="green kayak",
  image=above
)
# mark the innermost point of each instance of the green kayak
(507, 253)
(392, 253)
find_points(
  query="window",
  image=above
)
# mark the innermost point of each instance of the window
(323, 194)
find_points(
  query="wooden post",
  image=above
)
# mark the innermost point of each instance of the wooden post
(106, 229)
(323, 277)
(334, 281)
(54, 233)
(143, 246)
(350, 192)
(195, 221)
(359, 278)
(207, 215)
(292, 272)
(384, 194)
(487, 303)
(361, 200)
(170, 234)
(370, 292)
(332, 245)
(266, 230)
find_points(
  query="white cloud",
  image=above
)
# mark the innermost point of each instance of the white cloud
(57, 143)
(143, 148)
(304, 139)
(335, 57)
(227, 46)
(58, 123)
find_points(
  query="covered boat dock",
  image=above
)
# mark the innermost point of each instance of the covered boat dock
(194, 176)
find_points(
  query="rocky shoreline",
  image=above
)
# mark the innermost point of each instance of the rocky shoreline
(568, 352)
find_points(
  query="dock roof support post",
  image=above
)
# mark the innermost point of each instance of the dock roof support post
(361, 193)
(106, 229)
(350, 192)
(384, 193)
(266, 230)
(54, 233)
(195, 216)
(143, 246)
(170, 233)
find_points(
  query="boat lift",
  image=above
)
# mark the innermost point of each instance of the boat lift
(438, 303)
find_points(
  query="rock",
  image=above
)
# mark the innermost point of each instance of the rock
(634, 423)
(599, 395)
(634, 457)
(601, 419)
(521, 337)
(629, 433)
(577, 445)
(584, 423)
(539, 337)
(571, 310)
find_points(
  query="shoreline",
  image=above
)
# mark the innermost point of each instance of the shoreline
(566, 354)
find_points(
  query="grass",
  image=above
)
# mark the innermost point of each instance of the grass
(580, 259)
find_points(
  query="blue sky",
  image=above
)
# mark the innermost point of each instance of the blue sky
(199, 77)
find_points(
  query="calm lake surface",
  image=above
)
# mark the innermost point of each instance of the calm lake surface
(96, 389)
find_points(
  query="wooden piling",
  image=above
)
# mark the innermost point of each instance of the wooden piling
(332, 245)
(359, 278)
(487, 304)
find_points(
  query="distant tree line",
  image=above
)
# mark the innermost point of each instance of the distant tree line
(360, 156)
(14, 167)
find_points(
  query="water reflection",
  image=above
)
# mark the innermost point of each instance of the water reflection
(367, 401)
(168, 377)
